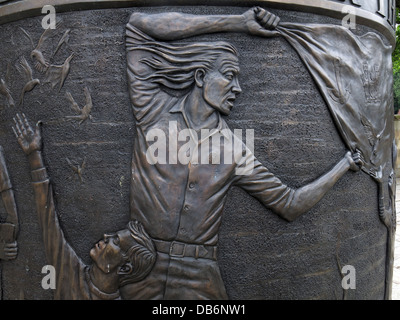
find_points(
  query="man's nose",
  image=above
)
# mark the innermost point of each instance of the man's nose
(236, 86)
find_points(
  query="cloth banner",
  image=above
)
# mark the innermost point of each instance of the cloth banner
(354, 75)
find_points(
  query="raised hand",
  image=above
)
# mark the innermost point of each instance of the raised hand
(261, 22)
(30, 140)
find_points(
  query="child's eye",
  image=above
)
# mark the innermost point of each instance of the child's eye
(116, 241)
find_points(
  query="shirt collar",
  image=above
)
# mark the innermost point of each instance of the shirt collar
(180, 108)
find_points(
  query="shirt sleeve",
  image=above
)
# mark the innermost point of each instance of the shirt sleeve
(59, 254)
(148, 100)
(259, 182)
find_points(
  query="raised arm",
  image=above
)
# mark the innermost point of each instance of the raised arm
(58, 251)
(176, 26)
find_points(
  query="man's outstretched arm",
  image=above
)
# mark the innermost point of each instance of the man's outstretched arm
(176, 26)
(309, 195)
(290, 203)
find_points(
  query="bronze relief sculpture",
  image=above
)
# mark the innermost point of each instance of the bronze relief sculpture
(188, 200)
(180, 91)
(185, 201)
(8, 229)
(120, 258)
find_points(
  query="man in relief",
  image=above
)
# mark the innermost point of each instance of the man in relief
(120, 258)
(189, 86)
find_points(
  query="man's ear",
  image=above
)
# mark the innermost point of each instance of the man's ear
(125, 269)
(199, 77)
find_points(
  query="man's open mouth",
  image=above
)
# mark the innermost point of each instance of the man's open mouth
(231, 100)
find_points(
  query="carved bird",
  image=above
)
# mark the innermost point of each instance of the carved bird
(83, 112)
(5, 91)
(31, 82)
(77, 168)
(41, 63)
(64, 39)
(57, 74)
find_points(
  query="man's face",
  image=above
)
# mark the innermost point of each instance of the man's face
(221, 84)
(107, 253)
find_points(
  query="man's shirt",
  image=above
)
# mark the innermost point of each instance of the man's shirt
(184, 201)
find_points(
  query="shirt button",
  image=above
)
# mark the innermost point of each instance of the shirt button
(186, 208)
(191, 185)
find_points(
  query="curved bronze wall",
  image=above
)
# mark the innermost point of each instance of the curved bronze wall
(297, 137)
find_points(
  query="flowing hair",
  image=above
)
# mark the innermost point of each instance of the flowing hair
(175, 65)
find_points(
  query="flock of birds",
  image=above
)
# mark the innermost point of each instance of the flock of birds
(53, 74)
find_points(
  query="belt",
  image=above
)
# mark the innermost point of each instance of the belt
(180, 249)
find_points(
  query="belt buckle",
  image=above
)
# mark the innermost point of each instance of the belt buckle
(176, 245)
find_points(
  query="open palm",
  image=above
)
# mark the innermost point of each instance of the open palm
(30, 140)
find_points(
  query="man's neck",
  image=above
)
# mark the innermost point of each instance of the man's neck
(199, 113)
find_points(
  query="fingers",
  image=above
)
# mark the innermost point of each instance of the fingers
(358, 158)
(11, 247)
(22, 127)
(19, 125)
(11, 250)
(26, 124)
(266, 19)
(17, 130)
(275, 23)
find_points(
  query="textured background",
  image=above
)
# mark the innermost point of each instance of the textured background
(261, 256)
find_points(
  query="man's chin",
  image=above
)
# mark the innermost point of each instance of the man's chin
(226, 111)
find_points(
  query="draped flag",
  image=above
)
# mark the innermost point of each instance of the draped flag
(354, 76)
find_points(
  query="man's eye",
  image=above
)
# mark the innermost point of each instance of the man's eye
(229, 76)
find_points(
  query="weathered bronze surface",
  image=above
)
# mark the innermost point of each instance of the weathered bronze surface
(188, 199)
(378, 14)
(316, 95)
